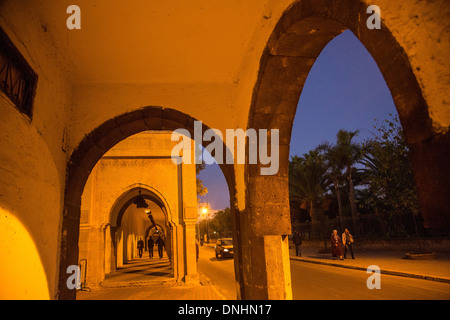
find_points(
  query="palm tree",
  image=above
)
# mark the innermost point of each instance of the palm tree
(308, 183)
(347, 154)
(336, 166)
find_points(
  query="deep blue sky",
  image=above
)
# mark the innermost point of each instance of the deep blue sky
(344, 90)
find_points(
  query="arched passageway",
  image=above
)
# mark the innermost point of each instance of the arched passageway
(298, 38)
(113, 221)
(156, 215)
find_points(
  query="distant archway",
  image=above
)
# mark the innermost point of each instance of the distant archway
(128, 198)
(118, 209)
(158, 229)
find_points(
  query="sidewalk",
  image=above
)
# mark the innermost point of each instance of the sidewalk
(149, 279)
(166, 291)
(389, 262)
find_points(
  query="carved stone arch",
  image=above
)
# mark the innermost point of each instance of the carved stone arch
(295, 43)
(147, 232)
(127, 198)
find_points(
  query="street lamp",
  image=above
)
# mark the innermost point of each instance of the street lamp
(203, 214)
(205, 211)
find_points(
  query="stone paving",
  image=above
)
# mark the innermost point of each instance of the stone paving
(148, 279)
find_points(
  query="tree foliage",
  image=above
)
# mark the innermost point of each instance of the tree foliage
(375, 177)
(221, 223)
(387, 171)
(308, 183)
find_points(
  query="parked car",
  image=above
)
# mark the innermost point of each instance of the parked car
(224, 248)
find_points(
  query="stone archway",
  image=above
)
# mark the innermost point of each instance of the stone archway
(158, 228)
(91, 150)
(295, 43)
(123, 202)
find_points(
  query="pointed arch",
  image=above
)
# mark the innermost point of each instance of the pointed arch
(296, 41)
(299, 36)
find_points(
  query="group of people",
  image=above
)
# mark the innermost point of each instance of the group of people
(151, 243)
(339, 246)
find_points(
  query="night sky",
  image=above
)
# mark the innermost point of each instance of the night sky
(344, 90)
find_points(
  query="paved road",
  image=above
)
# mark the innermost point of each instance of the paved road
(313, 281)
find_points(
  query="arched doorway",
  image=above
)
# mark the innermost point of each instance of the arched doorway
(161, 218)
(91, 150)
(296, 41)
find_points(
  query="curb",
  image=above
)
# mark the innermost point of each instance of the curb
(388, 272)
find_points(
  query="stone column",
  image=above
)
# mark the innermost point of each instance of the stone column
(191, 275)
(190, 218)
(262, 248)
(178, 253)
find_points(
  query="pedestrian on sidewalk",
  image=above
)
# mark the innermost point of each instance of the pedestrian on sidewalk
(160, 243)
(196, 249)
(140, 246)
(336, 249)
(150, 244)
(347, 241)
(297, 240)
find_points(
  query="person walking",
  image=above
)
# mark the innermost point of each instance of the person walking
(297, 240)
(347, 241)
(160, 243)
(140, 246)
(336, 249)
(150, 244)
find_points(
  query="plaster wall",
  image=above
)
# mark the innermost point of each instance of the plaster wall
(33, 152)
